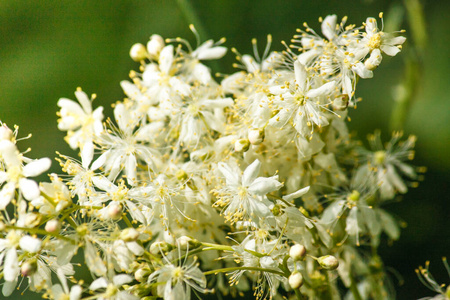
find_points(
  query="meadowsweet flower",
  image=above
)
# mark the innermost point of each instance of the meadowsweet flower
(388, 163)
(300, 103)
(176, 281)
(81, 122)
(16, 174)
(244, 195)
(112, 288)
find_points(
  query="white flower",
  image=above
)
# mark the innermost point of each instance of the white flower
(112, 288)
(375, 38)
(388, 163)
(81, 122)
(175, 281)
(300, 103)
(244, 196)
(62, 291)
(16, 174)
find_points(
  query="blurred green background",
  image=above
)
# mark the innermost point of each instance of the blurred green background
(49, 48)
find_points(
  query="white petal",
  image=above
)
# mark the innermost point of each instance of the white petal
(75, 292)
(329, 27)
(325, 89)
(98, 284)
(29, 188)
(130, 169)
(37, 167)
(166, 59)
(251, 172)
(300, 75)
(296, 194)
(122, 279)
(229, 174)
(264, 185)
(7, 194)
(84, 101)
(390, 50)
(87, 153)
(30, 244)
(9, 153)
(212, 53)
(11, 266)
(9, 287)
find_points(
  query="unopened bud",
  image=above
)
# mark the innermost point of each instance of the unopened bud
(138, 52)
(296, 280)
(53, 226)
(297, 252)
(141, 275)
(29, 267)
(241, 145)
(115, 211)
(32, 220)
(328, 262)
(256, 136)
(183, 242)
(129, 235)
(155, 45)
(157, 247)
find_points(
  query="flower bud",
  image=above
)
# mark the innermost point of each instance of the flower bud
(183, 242)
(129, 235)
(29, 267)
(241, 145)
(256, 136)
(155, 45)
(297, 252)
(114, 211)
(138, 52)
(141, 275)
(53, 226)
(296, 280)
(32, 220)
(157, 247)
(328, 262)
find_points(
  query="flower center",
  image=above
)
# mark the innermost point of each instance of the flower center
(379, 157)
(375, 41)
(300, 99)
(177, 274)
(354, 196)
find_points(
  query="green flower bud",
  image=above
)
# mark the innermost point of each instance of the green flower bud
(29, 267)
(296, 280)
(297, 252)
(328, 262)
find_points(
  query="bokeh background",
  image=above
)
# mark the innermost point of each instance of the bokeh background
(49, 48)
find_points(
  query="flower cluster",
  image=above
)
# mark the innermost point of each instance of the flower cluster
(256, 175)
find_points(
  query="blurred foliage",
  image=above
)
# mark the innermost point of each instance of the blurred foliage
(48, 48)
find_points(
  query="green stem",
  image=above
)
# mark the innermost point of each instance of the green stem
(354, 288)
(224, 270)
(407, 91)
(298, 294)
(209, 246)
(41, 232)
